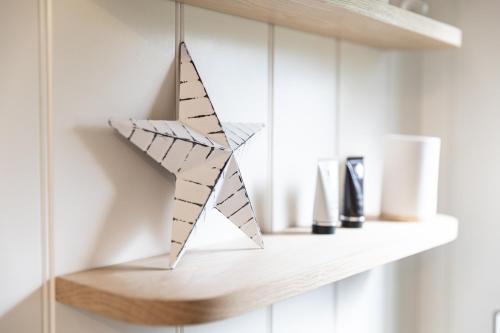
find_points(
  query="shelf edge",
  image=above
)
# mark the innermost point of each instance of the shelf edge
(150, 311)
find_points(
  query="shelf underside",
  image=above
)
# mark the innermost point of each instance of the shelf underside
(369, 22)
(225, 280)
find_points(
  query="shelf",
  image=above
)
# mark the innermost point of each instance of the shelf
(226, 280)
(370, 22)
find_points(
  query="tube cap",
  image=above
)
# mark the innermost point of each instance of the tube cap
(323, 229)
(351, 224)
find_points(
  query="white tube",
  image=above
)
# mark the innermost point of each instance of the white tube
(326, 201)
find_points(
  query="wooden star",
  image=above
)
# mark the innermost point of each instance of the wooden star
(199, 150)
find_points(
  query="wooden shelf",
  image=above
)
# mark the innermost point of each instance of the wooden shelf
(214, 283)
(370, 22)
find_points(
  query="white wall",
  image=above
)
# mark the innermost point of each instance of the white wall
(22, 254)
(304, 120)
(378, 94)
(112, 204)
(435, 119)
(475, 184)
(462, 290)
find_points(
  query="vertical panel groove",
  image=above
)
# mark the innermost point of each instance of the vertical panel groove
(338, 53)
(46, 160)
(270, 318)
(43, 195)
(270, 150)
(179, 37)
(270, 121)
(451, 133)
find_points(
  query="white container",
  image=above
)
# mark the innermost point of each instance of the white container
(326, 201)
(410, 177)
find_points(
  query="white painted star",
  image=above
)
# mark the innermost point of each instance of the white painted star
(199, 150)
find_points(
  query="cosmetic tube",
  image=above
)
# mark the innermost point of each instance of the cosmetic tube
(353, 203)
(326, 201)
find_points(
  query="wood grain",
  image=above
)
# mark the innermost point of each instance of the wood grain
(368, 22)
(214, 283)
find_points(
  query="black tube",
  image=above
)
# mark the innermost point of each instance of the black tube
(353, 208)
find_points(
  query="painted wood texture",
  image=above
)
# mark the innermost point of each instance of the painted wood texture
(389, 85)
(111, 203)
(314, 310)
(363, 122)
(369, 22)
(251, 322)
(465, 105)
(112, 58)
(22, 245)
(214, 283)
(304, 113)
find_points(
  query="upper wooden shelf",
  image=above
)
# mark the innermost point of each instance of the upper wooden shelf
(226, 280)
(370, 22)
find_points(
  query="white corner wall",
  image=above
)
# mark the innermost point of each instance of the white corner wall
(461, 89)
(22, 254)
(319, 97)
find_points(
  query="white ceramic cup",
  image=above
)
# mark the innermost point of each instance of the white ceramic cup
(410, 177)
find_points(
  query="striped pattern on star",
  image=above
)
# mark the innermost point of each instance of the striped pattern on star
(239, 133)
(195, 107)
(193, 189)
(233, 202)
(178, 151)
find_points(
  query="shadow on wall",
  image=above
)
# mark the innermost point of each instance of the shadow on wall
(292, 211)
(141, 209)
(260, 207)
(14, 320)
(133, 202)
(82, 321)
(166, 96)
